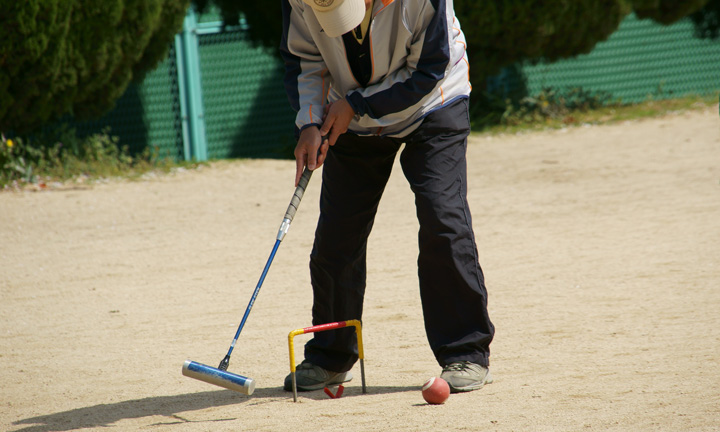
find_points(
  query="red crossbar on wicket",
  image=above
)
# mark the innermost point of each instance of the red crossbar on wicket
(326, 327)
(323, 327)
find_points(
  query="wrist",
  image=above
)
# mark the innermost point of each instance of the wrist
(354, 109)
(302, 129)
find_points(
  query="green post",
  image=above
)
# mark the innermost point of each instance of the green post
(190, 85)
(182, 97)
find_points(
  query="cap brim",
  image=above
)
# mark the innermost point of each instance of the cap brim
(342, 19)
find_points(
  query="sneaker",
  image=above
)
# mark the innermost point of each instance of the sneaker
(310, 377)
(465, 376)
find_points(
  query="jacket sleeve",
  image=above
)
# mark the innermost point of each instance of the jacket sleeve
(306, 76)
(427, 63)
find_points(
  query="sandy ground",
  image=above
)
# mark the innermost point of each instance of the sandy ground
(600, 246)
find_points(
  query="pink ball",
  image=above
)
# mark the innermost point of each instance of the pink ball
(435, 391)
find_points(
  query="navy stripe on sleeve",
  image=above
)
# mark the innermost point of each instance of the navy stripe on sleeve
(434, 58)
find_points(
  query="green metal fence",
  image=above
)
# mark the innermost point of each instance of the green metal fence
(216, 96)
(640, 61)
(219, 96)
(247, 112)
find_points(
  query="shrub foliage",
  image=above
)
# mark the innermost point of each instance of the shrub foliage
(77, 57)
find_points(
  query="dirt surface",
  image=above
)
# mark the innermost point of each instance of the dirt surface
(600, 246)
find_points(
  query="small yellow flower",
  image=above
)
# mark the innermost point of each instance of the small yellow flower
(9, 143)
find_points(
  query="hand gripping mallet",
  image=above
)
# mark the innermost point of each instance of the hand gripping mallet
(220, 376)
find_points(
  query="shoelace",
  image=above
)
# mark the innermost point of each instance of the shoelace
(305, 365)
(461, 366)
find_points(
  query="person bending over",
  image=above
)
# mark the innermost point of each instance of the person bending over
(366, 77)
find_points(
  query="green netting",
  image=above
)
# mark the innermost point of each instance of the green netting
(162, 109)
(247, 113)
(641, 60)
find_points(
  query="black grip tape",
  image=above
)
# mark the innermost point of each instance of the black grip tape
(297, 196)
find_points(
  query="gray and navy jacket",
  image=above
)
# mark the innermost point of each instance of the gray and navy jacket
(419, 64)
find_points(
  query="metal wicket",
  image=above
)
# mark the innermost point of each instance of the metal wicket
(326, 327)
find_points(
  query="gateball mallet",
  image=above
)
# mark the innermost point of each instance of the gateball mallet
(220, 376)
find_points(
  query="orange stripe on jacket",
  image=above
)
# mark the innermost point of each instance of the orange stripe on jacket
(385, 3)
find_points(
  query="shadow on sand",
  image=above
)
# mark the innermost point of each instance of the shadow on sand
(105, 415)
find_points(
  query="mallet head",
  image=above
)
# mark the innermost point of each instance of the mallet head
(218, 377)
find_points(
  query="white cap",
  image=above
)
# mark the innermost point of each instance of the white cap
(338, 17)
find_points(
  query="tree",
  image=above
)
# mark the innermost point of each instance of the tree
(77, 57)
(666, 11)
(707, 20)
(501, 33)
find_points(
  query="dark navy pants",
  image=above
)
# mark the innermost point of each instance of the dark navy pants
(452, 288)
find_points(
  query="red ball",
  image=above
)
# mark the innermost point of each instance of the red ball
(435, 391)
